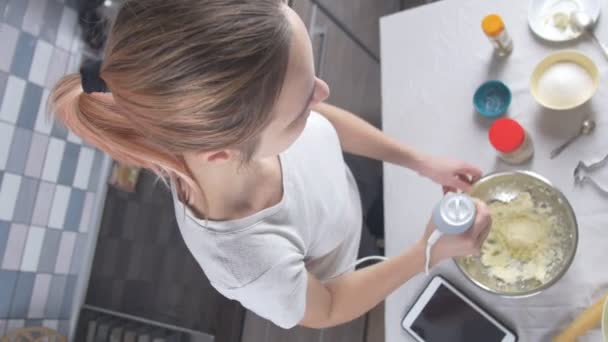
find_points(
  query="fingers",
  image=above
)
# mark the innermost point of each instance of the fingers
(482, 207)
(463, 182)
(447, 189)
(462, 185)
(483, 220)
(477, 242)
(476, 178)
(467, 169)
(466, 176)
(482, 237)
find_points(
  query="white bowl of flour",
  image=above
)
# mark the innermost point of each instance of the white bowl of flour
(564, 80)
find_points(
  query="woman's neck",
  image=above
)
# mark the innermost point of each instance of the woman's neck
(233, 190)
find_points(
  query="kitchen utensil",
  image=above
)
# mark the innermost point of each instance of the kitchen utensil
(549, 19)
(560, 97)
(503, 197)
(587, 127)
(583, 22)
(585, 321)
(454, 214)
(544, 194)
(581, 170)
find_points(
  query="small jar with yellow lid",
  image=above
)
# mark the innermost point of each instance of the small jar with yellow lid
(494, 28)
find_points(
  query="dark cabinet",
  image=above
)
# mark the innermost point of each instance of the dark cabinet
(352, 75)
(361, 18)
(354, 80)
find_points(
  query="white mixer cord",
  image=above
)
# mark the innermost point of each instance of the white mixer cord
(362, 260)
(427, 260)
(427, 253)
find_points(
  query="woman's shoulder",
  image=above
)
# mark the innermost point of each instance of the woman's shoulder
(319, 123)
(235, 258)
(319, 131)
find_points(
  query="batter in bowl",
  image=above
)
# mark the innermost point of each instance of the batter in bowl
(520, 245)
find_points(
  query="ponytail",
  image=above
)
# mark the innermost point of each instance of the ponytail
(98, 120)
(178, 84)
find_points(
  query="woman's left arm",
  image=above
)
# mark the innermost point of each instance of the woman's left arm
(360, 138)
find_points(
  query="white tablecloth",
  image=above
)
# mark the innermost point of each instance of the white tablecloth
(433, 59)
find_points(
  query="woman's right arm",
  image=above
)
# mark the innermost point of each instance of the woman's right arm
(352, 294)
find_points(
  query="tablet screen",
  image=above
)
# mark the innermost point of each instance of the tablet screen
(446, 317)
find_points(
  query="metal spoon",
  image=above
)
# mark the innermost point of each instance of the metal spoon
(502, 198)
(586, 128)
(581, 21)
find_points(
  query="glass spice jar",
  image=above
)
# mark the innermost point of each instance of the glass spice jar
(494, 28)
(511, 140)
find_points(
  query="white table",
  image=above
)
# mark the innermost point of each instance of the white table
(433, 59)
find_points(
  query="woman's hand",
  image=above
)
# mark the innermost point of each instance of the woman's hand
(451, 174)
(465, 244)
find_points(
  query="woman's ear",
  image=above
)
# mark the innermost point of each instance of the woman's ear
(321, 92)
(220, 156)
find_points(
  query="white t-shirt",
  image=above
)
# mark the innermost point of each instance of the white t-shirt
(262, 260)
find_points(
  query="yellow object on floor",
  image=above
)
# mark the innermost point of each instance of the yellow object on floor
(588, 319)
(33, 334)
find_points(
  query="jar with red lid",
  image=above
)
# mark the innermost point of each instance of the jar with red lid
(511, 141)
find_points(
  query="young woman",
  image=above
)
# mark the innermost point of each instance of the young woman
(220, 98)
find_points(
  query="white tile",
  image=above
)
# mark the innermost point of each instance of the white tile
(44, 203)
(6, 137)
(51, 324)
(8, 36)
(57, 69)
(67, 28)
(40, 294)
(14, 247)
(33, 19)
(8, 195)
(33, 246)
(60, 206)
(83, 170)
(44, 122)
(87, 211)
(36, 156)
(66, 250)
(13, 96)
(40, 62)
(52, 164)
(72, 137)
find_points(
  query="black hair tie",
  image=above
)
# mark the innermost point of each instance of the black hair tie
(89, 75)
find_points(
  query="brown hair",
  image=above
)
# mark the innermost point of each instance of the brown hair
(185, 76)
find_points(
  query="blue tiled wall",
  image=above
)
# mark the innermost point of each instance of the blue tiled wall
(48, 176)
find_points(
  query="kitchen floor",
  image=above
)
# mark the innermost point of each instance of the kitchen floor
(143, 268)
(367, 328)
